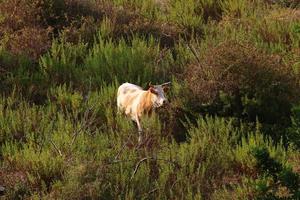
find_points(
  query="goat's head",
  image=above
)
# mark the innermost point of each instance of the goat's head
(159, 98)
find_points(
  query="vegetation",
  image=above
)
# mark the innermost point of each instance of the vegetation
(230, 131)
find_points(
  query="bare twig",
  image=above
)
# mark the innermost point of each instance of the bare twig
(56, 148)
(161, 56)
(138, 165)
(166, 35)
(151, 158)
(84, 125)
(122, 148)
(150, 192)
(174, 184)
(194, 52)
(120, 151)
(119, 161)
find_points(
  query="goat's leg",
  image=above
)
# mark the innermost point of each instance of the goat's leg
(140, 130)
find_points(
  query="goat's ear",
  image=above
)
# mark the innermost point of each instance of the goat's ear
(166, 88)
(150, 85)
(152, 90)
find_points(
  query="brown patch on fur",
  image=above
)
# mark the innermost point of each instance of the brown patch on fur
(146, 104)
(128, 101)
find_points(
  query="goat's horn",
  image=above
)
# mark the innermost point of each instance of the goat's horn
(150, 85)
(167, 83)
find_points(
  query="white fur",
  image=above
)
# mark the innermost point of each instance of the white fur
(133, 93)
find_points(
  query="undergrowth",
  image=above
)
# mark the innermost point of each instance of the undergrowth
(229, 131)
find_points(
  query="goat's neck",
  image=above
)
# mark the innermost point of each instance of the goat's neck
(146, 103)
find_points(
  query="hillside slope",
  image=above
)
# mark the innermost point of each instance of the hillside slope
(230, 131)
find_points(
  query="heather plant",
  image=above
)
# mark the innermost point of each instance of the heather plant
(63, 58)
(80, 148)
(278, 30)
(293, 131)
(244, 84)
(138, 62)
(229, 130)
(275, 175)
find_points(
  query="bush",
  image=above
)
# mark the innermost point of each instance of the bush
(237, 79)
(22, 42)
(61, 63)
(278, 30)
(137, 62)
(275, 177)
(43, 19)
(41, 169)
(294, 130)
(287, 3)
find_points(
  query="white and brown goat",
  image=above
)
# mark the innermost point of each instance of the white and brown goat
(135, 102)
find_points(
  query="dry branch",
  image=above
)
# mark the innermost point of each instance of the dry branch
(151, 158)
(56, 148)
(193, 50)
(86, 122)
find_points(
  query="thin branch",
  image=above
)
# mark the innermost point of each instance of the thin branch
(174, 184)
(122, 148)
(84, 125)
(151, 158)
(138, 165)
(119, 161)
(150, 192)
(56, 148)
(161, 56)
(120, 151)
(193, 50)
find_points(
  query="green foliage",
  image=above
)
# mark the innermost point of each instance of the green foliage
(63, 58)
(289, 3)
(186, 14)
(236, 79)
(236, 62)
(275, 175)
(235, 8)
(105, 62)
(265, 163)
(294, 130)
(135, 62)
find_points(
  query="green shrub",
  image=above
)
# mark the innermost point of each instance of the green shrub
(205, 160)
(288, 3)
(236, 8)
(135, 62)
(294, 130)
(278, 30)
(63, 62)
(237, 79)
(17, 124)
(41, 168)
(44, 19)
(275, 175)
